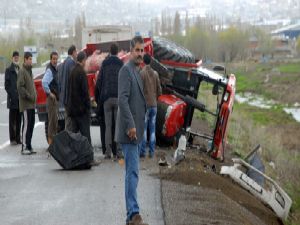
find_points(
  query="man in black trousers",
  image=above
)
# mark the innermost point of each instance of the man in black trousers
(27, 100)
(11, 75)
(108, 88)
(78, 104)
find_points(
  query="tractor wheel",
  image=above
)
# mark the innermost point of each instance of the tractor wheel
(168, 50)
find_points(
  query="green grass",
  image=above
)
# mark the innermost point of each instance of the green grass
(290, 68)
(272, 116)
(294, 192)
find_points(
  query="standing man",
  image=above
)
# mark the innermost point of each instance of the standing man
(63, 79)
(100, 113)
(10, 83)
(27, 99)
(50, 86)
(78, 106)
(109, 97)
(152, 90)
(130, 125)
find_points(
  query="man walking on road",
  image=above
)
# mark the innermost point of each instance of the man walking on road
(10, 83)
(78, 105)
(152, 90)
(63, 79)
(108, 87)
(27, 99)
(50, 86)
(130, 125)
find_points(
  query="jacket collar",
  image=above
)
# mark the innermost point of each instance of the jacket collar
(13, 66)
(52, 67)
(28, 68)
(137, 76)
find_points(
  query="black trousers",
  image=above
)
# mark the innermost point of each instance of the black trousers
(102, 127)
(81, 124)
(15, 118)
(28, 126)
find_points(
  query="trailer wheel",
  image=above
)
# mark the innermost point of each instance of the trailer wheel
(167, 50)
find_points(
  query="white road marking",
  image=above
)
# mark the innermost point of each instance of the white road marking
(5, 144)
(3, 124)
(4, 102)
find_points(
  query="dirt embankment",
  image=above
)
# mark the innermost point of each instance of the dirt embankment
(194, 193)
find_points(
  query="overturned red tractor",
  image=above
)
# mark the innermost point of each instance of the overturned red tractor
(181, 76)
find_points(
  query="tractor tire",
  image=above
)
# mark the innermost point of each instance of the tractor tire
(168, 50)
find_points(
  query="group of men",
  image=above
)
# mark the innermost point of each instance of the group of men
(126, 96)
(21, 98)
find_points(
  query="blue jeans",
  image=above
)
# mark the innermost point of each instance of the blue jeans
(131, 157)
(150, 121)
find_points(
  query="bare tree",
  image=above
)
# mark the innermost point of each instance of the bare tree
(177, 27)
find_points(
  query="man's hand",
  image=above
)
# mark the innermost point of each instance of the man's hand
(132, 134)
(52, 95)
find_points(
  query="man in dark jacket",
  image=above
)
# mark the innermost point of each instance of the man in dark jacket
(63, 80)
(100, 114)
(109, 97)
(50, 86)
(78, 105)
(27, 100)
(10, 83)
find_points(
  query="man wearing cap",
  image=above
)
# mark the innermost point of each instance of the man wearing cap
(11, 75)
(78, 104)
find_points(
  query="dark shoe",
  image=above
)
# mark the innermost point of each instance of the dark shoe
(107, 157)
(26, 152)
(30, 149)
(142, 156)
(19, 142)
(137, 220)
(13, 143)
(95, 163)
(120, 155)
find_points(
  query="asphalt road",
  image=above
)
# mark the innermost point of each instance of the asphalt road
(34, 190)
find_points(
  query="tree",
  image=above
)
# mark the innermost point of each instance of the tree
(177, 24)
(265, 42)
(233, 42)
(163, 27)
(78, 32)
(156, 26)
(198, 41)
(298, 45)
(169, 25)
(187, 23)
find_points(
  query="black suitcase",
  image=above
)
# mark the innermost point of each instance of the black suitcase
(72, 151)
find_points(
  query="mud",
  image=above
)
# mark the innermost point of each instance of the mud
(194, 193)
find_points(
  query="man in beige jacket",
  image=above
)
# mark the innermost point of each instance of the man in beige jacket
(152, 90)
(27, 99)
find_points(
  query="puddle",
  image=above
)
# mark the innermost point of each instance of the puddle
(260, 102)
(254, 100)
(295, 112)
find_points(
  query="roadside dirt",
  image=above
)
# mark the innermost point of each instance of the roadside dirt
(194, 193)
